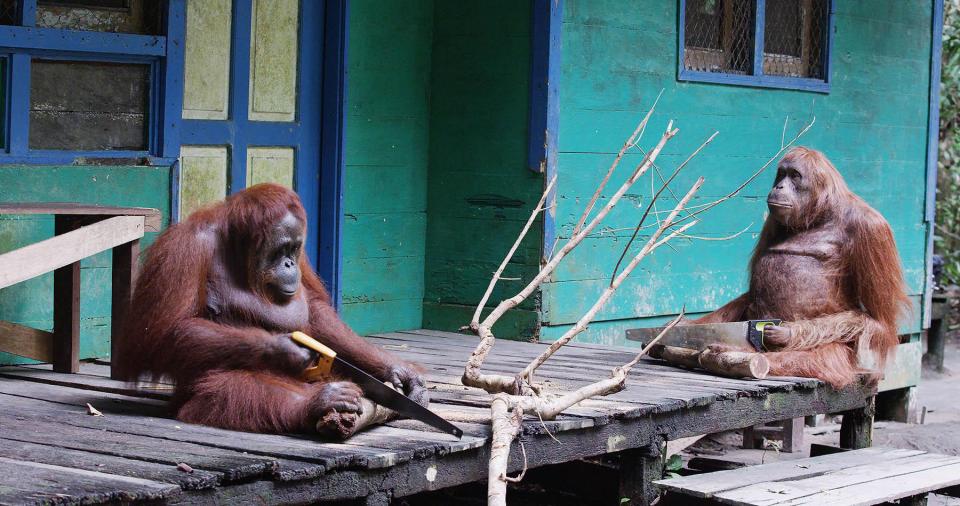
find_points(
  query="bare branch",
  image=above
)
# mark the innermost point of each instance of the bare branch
(652, 243)
(664, 186)
(756, 174)
(653, 342)
(724, 238)
(632, 140)
(513, 249)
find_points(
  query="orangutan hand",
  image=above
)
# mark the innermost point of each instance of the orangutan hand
(776, 337)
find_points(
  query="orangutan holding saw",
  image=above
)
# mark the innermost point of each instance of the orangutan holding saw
(827, 265)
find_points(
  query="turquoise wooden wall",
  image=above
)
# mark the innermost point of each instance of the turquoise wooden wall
(31, 302)
(385, 183)
(436, 187)
(479, 189)
(617, 58)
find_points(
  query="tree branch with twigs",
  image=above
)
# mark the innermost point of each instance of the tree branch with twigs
(517, 395)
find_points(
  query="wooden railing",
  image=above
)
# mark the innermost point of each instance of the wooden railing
(80, 232)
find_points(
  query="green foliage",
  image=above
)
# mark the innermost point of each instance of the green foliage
(947, 236)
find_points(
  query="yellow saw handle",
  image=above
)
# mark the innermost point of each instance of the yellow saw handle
(324, 362)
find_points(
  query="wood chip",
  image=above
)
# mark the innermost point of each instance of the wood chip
(184, 467)
(93, 411)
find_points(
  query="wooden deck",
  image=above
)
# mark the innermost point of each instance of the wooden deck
(53, 450)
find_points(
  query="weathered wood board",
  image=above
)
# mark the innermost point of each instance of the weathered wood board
(860, 477)
(46, 423)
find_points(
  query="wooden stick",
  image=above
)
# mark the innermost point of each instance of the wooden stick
(685, 357)
(735, 364)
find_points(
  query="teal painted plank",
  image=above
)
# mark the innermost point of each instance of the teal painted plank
(376, 279)
(384, 316)
(385, 186)
(480, 191)
(384, 235)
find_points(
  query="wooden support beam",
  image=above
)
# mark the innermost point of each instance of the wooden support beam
(856, 430)
(66, 290)
(69, 246)
(124, 274)
(638, 468)
(26, 341)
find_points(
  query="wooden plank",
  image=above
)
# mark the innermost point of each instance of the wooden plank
(66, 292)
(892, 479)
(230, 465)
(199, 479)
(32, 482)
(903, 370)
(44, 374)
(712, 484)
(64, 249)
(124, 273)
(151, 216)
(375, 448)
(26, 341)
(876, 492)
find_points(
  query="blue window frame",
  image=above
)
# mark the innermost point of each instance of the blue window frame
(24, 42)
(766, 43)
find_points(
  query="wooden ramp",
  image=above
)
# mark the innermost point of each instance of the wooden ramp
(856, 478)
(53, 450)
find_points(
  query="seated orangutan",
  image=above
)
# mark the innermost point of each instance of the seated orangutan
(214, 308)
(827, 265)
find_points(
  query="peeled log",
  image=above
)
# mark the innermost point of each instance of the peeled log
(685, 357)
(735, 364)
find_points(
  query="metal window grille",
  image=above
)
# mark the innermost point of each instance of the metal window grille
(793, 38)
(8, 12)
(719, 36)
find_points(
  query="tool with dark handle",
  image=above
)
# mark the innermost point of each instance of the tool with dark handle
(699, 336)
(373, 388)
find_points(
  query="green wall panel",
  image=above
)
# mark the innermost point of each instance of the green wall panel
(30, 303)
(480, 192)
(617, 58)
(387, 139)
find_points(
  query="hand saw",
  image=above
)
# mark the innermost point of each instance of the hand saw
(699, 336)
(373, 389)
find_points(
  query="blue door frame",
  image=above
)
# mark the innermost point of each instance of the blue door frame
(316, 134)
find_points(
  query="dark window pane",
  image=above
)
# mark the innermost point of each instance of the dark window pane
(122, 16)
(87, 106)
(719, 36)
(8, 12)
(793, 39)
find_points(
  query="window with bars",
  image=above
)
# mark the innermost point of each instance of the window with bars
(83, 80)
(770, 43)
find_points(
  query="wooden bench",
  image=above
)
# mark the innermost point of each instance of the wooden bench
(80, 231)
(857, 477)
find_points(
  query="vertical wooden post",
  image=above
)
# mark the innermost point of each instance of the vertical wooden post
(124, 275)
(856, 430)
(793, 435)
(935, 340)
(66, 308)
(638, 468)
